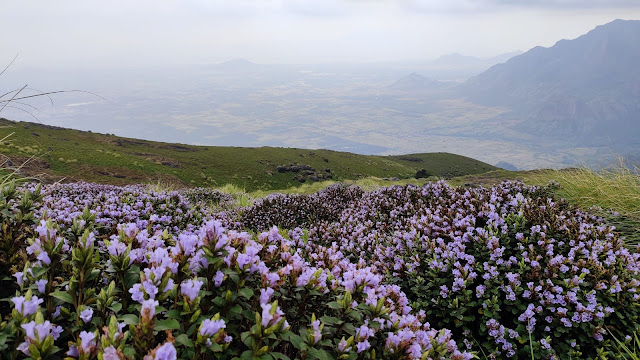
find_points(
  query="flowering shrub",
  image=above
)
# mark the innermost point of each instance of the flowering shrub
(509, 271)
(401, 273)
(208, 196)
(293, 210)
(115, 281)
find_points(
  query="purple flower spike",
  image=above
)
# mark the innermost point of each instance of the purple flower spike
(149, 308)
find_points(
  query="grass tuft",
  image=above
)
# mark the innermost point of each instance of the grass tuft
(615, 190)
(163, 186)
(240, 196)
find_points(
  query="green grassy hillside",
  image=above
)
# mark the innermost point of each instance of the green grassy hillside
(79, 155)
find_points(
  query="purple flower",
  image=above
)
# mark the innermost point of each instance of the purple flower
(362, 346)
(19, 277)
(268, 319)
(305, 277)
(116, 248)
(18, 302)
(150, 289)
(166, 352)
(24, 307)
(110, 353)
(545, 344)
(136, 293)
(130, 230)
(86, 315)
(265, 295)
(211, 327)
(24, 347)
(266, 315)
(89, 240)
(73, 351)
(191, 288)
(480, 289)
(56, 331)
(29, 329)
(41, 285)
(363, 332)
(44, 257)
(213, 229)
(87, 342)
(444, 291)
(342, 346)
(148, 309)
(218, 278)
(188, 243)
(317, 335)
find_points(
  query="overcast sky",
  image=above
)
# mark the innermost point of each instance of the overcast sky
(87, 33)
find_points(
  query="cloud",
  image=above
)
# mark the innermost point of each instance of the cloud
(493, 5)
(124, 32)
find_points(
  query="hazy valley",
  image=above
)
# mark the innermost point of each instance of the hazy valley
(520, 113)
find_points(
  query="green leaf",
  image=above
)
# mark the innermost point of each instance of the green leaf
(278, 355)
(129, 319)
(116, 307)
(174, 314)
(184, 340)
(232, 275)
(330, 320)
(94, 275)
(246, 292)
(354, 315)
(247, 339)
(167, 324)
(296, 341)
(235, 311)
(37, 271)
(129, 351)
(319, 354)
(334, 305)
(63, 295)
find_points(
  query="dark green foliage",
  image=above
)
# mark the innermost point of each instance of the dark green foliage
(299, 210)
(17, 219)
(422, 173)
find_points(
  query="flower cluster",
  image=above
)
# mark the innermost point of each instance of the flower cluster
(401, 272)
(123, 272)
(504, 264)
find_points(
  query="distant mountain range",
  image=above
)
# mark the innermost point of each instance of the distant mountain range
(584, 91)
(456, 60)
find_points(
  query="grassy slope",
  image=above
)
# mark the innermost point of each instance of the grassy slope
(616, 191)
(79, 155)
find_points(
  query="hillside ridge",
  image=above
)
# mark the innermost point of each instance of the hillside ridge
(73, 155)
